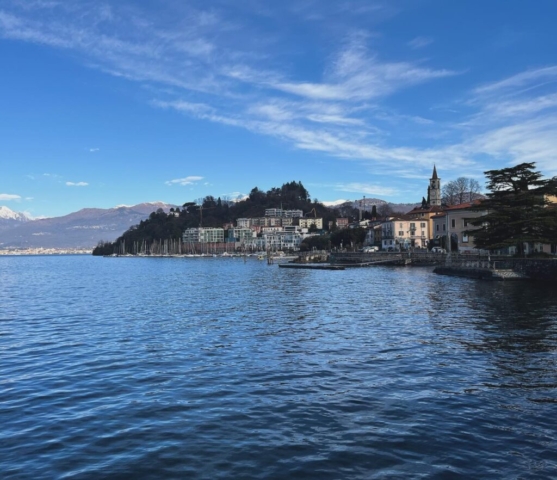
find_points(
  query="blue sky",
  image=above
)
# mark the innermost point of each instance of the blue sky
(121, 102)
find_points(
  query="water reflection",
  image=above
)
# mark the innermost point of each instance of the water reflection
(208, 368)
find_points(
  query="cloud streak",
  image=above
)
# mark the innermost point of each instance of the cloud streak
(191, 180)
(77, 184)
(7, 197)
(419, 42)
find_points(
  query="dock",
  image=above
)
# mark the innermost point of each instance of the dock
(307, 266)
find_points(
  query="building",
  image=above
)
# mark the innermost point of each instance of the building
(241, 235)
(243, 222)
(426, 214)
(279, 212)
(374, 236)
(453, 223)
(279, 241)
(307, 222)
(342, 222)
(203, 235)
(403, 233)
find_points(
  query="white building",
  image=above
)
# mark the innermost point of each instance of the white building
(279, 212)
(240, 234)
(203, 235)
(279, 241)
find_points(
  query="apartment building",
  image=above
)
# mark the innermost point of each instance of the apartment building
(279, 212)
(203, 235)
(241, 235)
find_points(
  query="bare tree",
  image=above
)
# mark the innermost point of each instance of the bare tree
(475, 189)
(384, 210)
(460, 190)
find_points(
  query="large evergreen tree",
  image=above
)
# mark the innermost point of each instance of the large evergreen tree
(518, 208)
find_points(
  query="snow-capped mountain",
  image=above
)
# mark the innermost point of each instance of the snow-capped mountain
(81, 229)
(10, 215)
(10, 219)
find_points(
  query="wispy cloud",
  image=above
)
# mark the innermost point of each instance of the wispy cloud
(204, 63)
(528, 78)
(94, 150)
(357, 74)
(8, 197)
(420, 42)
(205, 54)
(77, 184)
(191, 180)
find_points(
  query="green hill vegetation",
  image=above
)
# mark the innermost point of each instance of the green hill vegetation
(214, 212)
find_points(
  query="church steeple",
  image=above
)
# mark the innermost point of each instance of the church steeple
(434, 190)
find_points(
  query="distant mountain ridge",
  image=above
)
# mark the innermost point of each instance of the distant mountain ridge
(85, 228)
(81, 229)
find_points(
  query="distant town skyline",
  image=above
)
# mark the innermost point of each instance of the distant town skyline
(109, 103)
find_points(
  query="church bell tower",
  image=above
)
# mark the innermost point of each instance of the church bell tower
(434, 190)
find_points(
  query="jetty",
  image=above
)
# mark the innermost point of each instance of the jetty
(308, 266)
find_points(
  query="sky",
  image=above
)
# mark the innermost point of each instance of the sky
(122, 102)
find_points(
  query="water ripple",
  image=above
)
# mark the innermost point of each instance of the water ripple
(186, 368)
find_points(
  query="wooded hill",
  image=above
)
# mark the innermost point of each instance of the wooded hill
(215, 212)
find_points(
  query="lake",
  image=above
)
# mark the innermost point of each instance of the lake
(220, 368)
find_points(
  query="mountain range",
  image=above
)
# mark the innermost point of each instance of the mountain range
(85, 228)
(81, 229)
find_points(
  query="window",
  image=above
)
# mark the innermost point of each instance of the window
(453, 223)
(412, 226)
(464, 222)
(443, 227)
(464, 238)
(401, 234)
(422, 225)
(437, 227)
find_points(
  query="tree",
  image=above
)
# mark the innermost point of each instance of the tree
(385, 210)
(319, 242)
(348, 237)
(460, 190)
(518, 209)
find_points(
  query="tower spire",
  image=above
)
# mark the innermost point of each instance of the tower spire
(434, 190)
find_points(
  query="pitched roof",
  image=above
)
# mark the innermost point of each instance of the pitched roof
(464, 206)
(434, 176)
(432, 209)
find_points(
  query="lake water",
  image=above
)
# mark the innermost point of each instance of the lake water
(216, 368)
